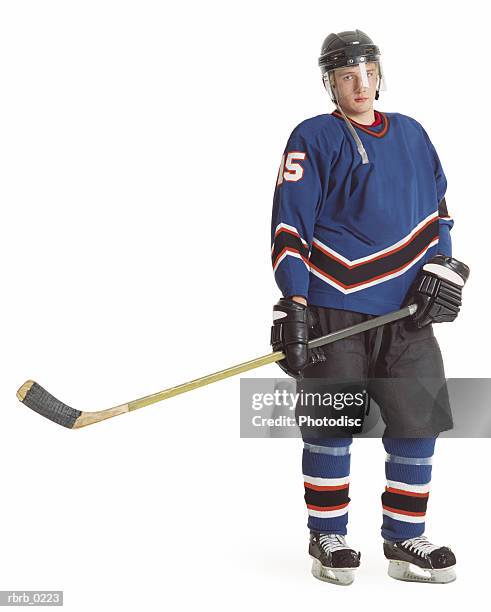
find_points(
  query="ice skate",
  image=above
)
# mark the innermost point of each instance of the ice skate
(417, 560)
(334, 560)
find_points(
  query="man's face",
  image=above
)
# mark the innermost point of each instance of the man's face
(351, 93)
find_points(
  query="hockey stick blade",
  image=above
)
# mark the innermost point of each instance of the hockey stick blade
(41, 401)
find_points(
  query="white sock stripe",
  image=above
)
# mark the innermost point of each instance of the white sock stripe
(328, 513)
(411, 488)
(405, 518)
(325, 482)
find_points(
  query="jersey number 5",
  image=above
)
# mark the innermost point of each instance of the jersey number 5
(290, 169)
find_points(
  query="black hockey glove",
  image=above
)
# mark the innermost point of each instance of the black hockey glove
(292, 323)
(437, 290)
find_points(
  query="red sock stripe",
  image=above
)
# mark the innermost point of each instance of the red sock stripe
(326, 508)
(406, 512)
(409, 493)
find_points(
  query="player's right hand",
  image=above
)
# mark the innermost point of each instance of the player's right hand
(290, 334)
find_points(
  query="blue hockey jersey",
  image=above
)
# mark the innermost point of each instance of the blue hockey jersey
(350, 235)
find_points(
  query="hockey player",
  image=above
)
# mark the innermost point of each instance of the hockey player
(360, 227)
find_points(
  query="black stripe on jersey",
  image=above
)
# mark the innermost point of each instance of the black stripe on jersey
(442, 208)
(404, 502)
(326, 498)
(383, 266)
(287, 240)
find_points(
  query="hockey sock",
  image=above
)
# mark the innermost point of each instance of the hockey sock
(408, 473)
(326, 467)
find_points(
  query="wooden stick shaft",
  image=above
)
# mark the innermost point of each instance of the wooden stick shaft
(206, 380)
(269, 358)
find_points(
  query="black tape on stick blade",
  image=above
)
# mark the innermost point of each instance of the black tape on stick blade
(45, 404)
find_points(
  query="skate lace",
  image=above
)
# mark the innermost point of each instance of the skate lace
(420, 545)
(332, 541)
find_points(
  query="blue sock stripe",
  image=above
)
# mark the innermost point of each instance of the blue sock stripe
(396, 531)
(331, 525)
(411, 474)
(410, 447)
(325, 466)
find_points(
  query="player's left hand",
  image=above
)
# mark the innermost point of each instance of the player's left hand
(438, 290)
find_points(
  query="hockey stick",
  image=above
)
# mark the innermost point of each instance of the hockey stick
(45, 404)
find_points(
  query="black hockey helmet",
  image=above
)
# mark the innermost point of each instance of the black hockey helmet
(347, 49)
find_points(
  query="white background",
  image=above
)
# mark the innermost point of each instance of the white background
(139, 148)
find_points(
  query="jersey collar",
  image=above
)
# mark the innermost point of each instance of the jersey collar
(378, 129)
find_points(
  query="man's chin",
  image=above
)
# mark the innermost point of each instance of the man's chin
(362, 106)
(358, 108)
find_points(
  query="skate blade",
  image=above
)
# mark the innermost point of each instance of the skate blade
(341, 576)
(403, 570)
